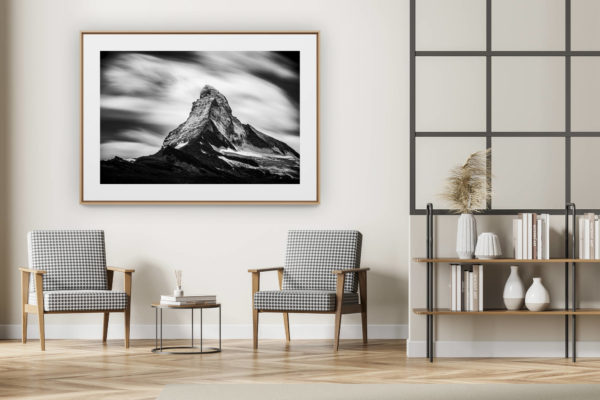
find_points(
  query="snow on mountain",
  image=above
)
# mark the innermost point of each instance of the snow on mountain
(211, 146)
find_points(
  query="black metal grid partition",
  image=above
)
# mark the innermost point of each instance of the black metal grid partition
(490, 55)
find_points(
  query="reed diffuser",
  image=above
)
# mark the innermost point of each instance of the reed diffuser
(178, 292)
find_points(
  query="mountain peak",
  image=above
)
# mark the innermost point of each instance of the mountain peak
(208, 90)
(211, 122)
(209, 98)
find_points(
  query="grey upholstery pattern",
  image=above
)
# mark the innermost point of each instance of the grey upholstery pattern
(75, 265)
(82, 300)
(72, 259)
(311, 255)
(300, 300)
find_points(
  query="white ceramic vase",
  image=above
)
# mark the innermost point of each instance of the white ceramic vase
(537, 297)
(178, 292)
(488, 246)
(514, 291)
(466, 236)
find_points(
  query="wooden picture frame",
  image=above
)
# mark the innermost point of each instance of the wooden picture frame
(280, 168)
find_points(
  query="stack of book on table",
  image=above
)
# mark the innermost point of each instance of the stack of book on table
(531, 236)
(187, 300)
(589, 241)
(467, 287)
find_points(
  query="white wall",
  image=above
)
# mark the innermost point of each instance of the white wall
(364, 159)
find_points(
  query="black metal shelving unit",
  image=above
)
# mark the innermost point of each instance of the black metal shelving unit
(570, 261)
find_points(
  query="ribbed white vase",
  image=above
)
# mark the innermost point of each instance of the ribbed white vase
(537, 297)
(466, 236)
(514, 291)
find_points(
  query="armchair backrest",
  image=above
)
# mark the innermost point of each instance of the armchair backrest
(311, 255)
(72, 259)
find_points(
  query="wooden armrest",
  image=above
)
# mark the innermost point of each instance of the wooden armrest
(266, 269)
(117, 269)
(347, 271)
(32, 271)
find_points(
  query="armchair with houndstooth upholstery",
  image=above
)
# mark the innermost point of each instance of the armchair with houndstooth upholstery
(68, 274)
(322, 275)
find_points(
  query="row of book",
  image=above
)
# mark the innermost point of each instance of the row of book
(187, 300)
(589, 237)
(531, 236)
(467, 287)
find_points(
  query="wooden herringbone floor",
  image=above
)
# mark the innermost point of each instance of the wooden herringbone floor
(70, 369)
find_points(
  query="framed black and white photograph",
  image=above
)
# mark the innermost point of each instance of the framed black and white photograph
(226, 117)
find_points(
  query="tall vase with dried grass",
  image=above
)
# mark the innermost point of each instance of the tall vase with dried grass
(467, 191)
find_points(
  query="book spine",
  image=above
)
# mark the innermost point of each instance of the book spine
(459, 288)
(534, 243)
(465, 290)
(186, 303)
(523, 235)
(540, 240)
(470, 290)
(480, 287)
(529, 237)
(580, 231)
(520, 239)
(586, 238)
(547, 236)
(453, 288)
(475, 275)
(591, 220)
(515, 238)
(597, 238)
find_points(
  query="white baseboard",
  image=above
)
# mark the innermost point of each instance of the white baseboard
(502, 349)
(210, 331)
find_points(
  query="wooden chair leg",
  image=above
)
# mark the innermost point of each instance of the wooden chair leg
(255, 329)
(339, 305)
(40, 308)
(105, 327)
(363, 315)
(336, 332)
(127, 321)
(24, 300)
(127, 308)
(286, 325)
(41, 324)
(24, 326)
(362, 283)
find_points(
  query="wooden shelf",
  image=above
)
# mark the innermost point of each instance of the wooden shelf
(503, 261)
(446, 311)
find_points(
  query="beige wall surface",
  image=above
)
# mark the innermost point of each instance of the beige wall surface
(364, 157)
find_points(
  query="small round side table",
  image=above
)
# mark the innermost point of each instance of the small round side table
(160, 349)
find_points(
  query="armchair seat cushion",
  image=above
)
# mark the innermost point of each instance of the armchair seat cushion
(82, 300)
(300, 300)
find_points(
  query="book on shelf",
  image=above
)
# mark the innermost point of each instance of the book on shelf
(531, 236)
(589, 236)
(466, 287)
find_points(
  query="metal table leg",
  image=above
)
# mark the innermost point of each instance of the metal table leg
(188, 349)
